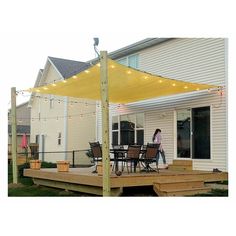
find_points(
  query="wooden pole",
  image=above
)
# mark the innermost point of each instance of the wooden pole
(105, 124)
(13, 133)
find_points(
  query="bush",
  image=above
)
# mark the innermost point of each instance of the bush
(21, 169)
(48, 165)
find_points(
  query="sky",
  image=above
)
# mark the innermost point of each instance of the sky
(30, 31)
(29, 53)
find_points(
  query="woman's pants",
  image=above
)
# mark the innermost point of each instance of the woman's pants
(162, 153)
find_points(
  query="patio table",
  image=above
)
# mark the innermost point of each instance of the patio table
(119, 155)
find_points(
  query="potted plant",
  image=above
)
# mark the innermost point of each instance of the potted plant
(90, 155)
(63, 166)
(35, 164)
(100, 168)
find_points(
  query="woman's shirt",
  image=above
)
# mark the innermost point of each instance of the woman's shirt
(157, 138)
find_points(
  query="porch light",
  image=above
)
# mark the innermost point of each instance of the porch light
(64, 81)
(74, 77)
(129, 72)
(185, 87)
(173, 84)
(86, 71)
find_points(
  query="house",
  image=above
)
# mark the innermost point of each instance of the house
(23, 126)
(194, 125)
(58, 123)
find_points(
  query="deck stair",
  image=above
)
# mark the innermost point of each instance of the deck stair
(179, 187)
(181, 165)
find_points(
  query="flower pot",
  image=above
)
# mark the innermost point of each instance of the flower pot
(35, 164)
(63, 166)
(100, 168)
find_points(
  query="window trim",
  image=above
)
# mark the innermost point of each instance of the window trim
(135, 129)
(175, 132)
(127, 60)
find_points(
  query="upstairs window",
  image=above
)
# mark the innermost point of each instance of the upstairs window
(132, 61)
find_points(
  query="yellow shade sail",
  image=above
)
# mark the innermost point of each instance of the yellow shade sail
(125, 85)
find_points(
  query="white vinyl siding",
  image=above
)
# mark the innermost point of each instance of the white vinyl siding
(199, 60)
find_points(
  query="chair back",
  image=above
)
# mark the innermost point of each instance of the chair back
(151, 150)
(133, 151)
(96, 149)
(116, 149)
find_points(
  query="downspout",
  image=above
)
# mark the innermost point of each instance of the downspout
(65, 127)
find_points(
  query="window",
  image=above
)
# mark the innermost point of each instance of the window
(59, 139)
(115, 130)
(131, 61)
(128, 129)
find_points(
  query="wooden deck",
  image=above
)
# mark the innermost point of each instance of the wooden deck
(83, 180)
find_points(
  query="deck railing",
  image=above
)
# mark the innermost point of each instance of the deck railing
(75, 157)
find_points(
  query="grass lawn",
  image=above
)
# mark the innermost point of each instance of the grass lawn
(26, 187)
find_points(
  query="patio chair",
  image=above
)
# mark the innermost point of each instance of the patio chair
(118, 156)
(152, 149)
(96, 153)
(34, 150)
(132, 157)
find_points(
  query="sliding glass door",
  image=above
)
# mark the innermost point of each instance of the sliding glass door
(193, 133)
(183, 133)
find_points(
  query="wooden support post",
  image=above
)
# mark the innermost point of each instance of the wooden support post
(13, 133)
(105, 124)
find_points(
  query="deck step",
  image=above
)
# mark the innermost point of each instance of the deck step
(178, 167)
(181, 165)
(182, 162)
(181, 192)
(178, 184)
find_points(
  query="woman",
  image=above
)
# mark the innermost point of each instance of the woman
(156, 138)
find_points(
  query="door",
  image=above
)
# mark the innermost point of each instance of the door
(193, 133)
(184, 133)
(201, 133)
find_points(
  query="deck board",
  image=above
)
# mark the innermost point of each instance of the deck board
(84, 177)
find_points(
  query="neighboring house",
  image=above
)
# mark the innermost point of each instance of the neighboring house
(194, 125)
(56, 122)
(23, 125)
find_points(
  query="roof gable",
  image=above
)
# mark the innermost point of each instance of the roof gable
(67, 68)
